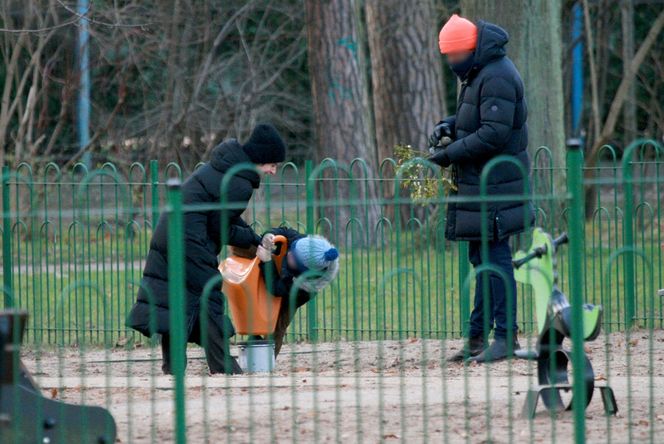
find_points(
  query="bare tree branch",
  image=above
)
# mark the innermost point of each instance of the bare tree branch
(590, 45)
(623, 89)
(87, 17)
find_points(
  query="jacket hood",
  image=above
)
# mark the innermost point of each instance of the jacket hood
(491, 41)
(230, 153)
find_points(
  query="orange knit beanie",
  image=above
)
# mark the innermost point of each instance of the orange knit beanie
(458, 34)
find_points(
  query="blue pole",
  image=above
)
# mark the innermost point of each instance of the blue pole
(577, 68)
(83, 109)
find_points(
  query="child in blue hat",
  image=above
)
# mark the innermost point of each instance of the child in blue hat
(313, 255)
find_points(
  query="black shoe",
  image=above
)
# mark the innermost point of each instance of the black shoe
(224, 364)
(497, 351)
(235, 368)
(471, 347)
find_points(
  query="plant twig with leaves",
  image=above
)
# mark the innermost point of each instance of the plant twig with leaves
(416, 177)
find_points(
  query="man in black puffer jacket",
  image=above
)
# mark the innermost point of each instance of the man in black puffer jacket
(203, 242)
(490, 121)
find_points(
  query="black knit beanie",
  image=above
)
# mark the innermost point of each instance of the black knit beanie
(265, 145)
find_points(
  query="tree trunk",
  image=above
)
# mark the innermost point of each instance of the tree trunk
(535, 47)
(342, 115)
(406, 72)
(407, 77)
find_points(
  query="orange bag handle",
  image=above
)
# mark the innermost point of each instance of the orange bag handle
(283, 249)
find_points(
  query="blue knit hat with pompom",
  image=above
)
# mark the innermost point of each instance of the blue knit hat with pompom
(315, 252)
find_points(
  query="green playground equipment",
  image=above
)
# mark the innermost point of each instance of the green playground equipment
(537, 268)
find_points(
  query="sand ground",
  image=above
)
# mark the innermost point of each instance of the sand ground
(359, 392)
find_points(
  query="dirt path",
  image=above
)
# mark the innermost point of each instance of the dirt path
(363, 392)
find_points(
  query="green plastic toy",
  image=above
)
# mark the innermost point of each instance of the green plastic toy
(537, 268)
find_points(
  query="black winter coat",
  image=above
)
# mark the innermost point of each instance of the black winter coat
(490, 121)
(202, 238)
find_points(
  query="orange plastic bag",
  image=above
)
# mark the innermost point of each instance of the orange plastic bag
(253, 309)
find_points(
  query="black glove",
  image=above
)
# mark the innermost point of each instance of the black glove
(441, 130)
(440, 158)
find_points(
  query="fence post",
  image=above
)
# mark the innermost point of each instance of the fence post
(628, 241)
(464, 290)
(177, 303)
(312, 306)
(576, 230)
(154, 187)
(7, 265)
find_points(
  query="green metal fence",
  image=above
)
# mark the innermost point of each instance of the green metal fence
(78, 240)
(366, 356)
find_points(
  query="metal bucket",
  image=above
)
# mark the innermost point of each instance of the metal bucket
(256, 356)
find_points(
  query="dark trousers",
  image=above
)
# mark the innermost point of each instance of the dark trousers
(500, 256)
(216, 345)
(286, 315)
